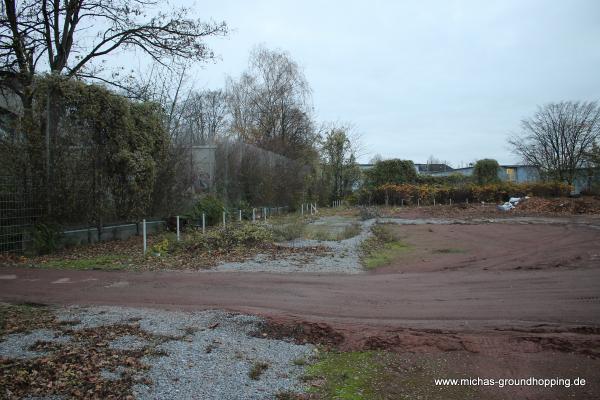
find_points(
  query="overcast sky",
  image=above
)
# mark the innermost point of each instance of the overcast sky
(446, 78)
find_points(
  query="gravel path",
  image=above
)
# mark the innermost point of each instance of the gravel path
(343, 258)
(17, 345)
(209, 354)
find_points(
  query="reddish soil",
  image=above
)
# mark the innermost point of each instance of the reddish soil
(495, 247)
(490, 300)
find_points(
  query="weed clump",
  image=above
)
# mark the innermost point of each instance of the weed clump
(257, 370)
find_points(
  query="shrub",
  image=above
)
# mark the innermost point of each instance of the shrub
(161, 247)
(288, 231)
(211, 206)
(391, 172)
(486, 171)
(244, 234)
(492, 192)
(46, 238)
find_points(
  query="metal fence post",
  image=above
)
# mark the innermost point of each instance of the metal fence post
(223, 219)
(144, 234)
(177, 228)
(240, 215)
(254, 215)
(203, 223)
(265, 212)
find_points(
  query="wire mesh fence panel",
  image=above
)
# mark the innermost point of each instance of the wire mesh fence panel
(19, 211)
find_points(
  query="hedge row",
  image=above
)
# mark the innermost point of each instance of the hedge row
(394, 194)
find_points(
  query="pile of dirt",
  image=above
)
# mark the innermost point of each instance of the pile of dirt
(581, 340)
(562, 205)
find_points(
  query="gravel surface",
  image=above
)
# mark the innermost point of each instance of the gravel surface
(128, 342)
(209, 354)
(17, 345)
(343, 258)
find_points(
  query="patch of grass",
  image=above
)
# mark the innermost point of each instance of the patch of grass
(331, 233)
(299, 361)
(288, 230)
(347, 376)
(381, 375)
(386, 254)
(383, 247)
(351, 231)
(257, 370)
(104, 262)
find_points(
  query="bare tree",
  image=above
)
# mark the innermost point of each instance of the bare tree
(205, 116)
(270, 104)
(339, 159)
(71, 37)
(558, 137)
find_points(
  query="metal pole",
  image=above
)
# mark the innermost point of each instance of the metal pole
(240, 215)
(223, 219)
(203, 223)
(177, 228)
(418, 202)
(254, 215)
(402, 202)
(144, 234)
(302, 209)
(265, 212)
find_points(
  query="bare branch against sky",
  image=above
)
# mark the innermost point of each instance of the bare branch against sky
(450, 78)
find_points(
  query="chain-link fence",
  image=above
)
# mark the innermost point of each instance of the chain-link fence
(19, 211)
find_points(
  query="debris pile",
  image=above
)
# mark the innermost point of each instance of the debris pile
(512, 203)
(562, 205)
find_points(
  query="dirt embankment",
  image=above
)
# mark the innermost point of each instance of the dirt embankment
(503, 353)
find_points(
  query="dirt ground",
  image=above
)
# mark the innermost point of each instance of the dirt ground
(478, 300)
(495, 247)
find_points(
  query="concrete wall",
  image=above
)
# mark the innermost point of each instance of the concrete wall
(116, 232)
